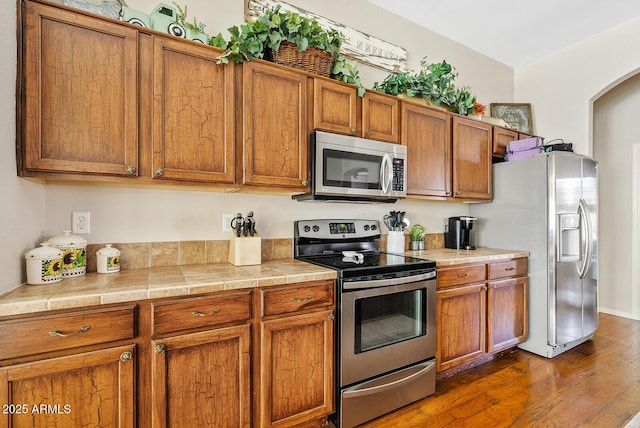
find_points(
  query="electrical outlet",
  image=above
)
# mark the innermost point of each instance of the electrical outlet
(81, 222)
(226, 222)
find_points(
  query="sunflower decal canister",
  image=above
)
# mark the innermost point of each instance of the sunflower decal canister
(44, 265)
(74, 253)
(108, 259)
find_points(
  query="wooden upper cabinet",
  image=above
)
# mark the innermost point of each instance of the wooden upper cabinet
(380, 117)
(334, 107)
(502, 137)
(274, 126)
(193, 113)
(427, 134)
(80, 93)
(471, 159)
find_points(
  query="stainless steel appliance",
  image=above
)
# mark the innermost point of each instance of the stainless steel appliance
(548, 205)
(386, 335)
(355, 169)
(459, 233)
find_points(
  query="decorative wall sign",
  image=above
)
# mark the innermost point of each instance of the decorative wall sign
(358, 46)
(517, 116)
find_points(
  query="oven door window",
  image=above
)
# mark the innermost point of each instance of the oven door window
(391, 318)
(351, 170)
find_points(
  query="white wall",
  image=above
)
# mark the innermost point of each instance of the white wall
(615, 133)
(562, 88)
(22, 203)
(32, 212)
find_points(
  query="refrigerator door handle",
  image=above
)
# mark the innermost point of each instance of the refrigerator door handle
(586, 237)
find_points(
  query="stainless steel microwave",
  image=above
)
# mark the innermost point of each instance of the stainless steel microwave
(346, 168)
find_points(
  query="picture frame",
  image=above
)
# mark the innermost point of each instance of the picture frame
(516, 115)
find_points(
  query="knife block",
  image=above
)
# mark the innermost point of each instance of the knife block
(245, 250)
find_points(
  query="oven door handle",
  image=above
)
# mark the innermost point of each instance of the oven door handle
(396, 383)
(356, 285)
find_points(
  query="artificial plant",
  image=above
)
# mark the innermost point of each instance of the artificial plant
(435, 81)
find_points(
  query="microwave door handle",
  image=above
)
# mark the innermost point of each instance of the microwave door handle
(385, 173)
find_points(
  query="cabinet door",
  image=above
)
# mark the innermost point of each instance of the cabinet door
(507, 313)
(334, 107)
(502, 137)
(193, 113)
(471, 159)
(296, 370)
(202, 379)
(92, 389)
(275, 140)
(427, 134)
(461, 325)
(380, 117)
(80, 100)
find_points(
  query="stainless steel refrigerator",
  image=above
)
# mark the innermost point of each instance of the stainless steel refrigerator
(548, 205)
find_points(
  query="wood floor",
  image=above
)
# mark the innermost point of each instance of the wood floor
(596, 384)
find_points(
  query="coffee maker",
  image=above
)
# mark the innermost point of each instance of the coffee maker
(458, 233)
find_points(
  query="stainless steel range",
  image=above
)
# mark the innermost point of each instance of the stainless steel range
(386, 336)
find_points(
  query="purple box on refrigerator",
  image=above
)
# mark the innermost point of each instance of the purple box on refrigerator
(525, 144)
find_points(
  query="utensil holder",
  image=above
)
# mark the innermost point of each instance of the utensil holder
(245, 250)
(395, 242)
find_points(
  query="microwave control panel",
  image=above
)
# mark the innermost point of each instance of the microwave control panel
(398, 175)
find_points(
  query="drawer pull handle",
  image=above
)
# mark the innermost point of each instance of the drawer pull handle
(83, 329)
(200, 314)
(295, 299)
(463, 275)
(126, 356)
(510, 268)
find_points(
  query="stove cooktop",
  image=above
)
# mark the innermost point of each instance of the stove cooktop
(373, 264)
(352, 247)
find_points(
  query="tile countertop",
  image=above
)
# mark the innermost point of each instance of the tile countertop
(140, 284)
(448, 257)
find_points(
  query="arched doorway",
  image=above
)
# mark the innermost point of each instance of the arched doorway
(616, 146)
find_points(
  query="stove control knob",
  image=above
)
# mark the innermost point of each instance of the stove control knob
(374, 227)
(307, 228)
(316, 228)
(366, 227)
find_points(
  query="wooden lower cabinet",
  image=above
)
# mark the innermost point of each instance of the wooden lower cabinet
(257, 357)
(296, 358)
(481, 310)
(202, 379)
(461, 325)
(507, 313)
(89, 389)
(296, 370)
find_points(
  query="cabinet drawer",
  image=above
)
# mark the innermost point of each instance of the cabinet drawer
(515, 267)
(460, 275)
(35, 335)
(185, 314)
(281, 300)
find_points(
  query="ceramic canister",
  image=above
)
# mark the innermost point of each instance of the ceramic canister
(74, 253)
(108, 259)
(44, 265)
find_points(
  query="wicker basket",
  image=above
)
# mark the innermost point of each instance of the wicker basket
(312, 60)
